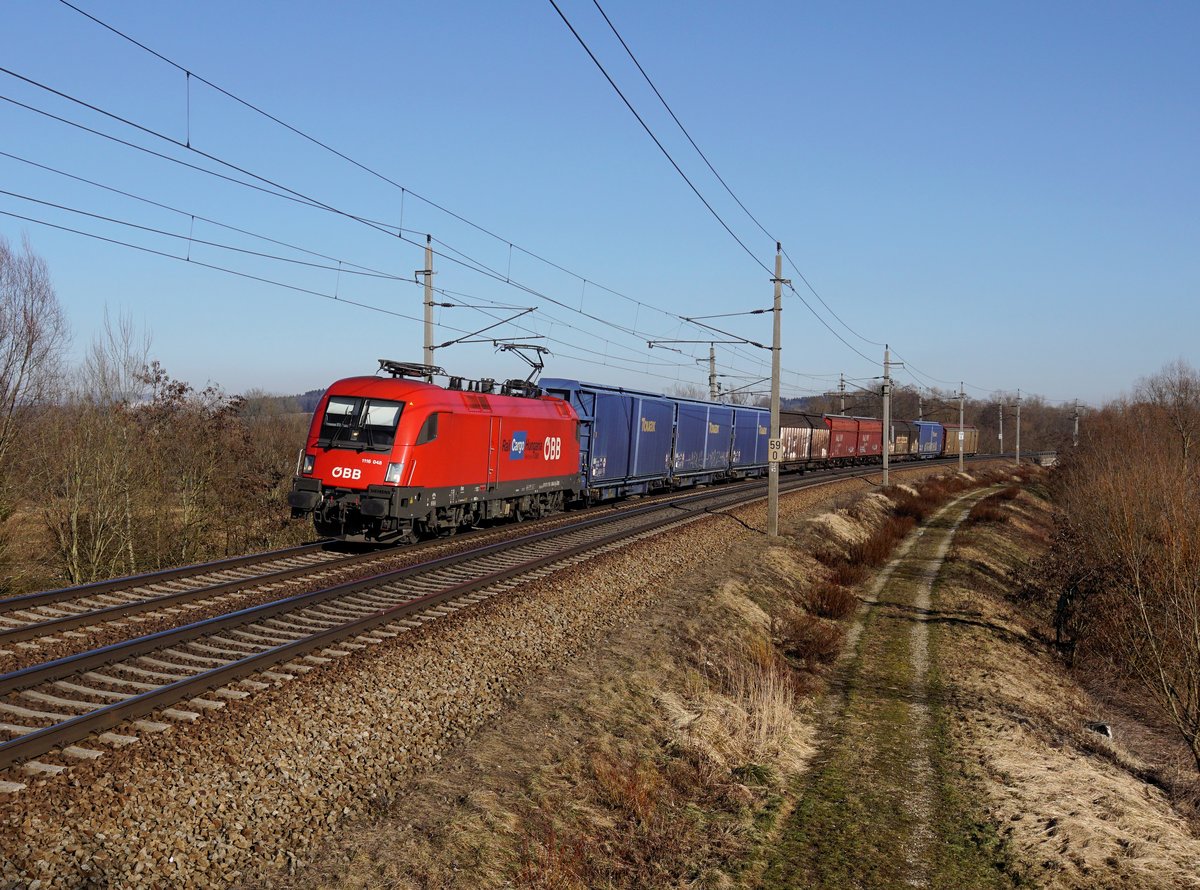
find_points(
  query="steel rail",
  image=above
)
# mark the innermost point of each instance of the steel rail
(109, 716)
(35, 629)
(82, 591)
(57, 669)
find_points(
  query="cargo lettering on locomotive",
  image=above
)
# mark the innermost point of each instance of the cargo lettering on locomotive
(517, 450)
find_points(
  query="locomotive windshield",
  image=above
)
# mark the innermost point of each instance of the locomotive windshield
(362, 424)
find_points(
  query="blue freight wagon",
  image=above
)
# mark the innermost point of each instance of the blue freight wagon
(625, 437)
(703, 438)
(632, 442)
(931, 438)
(751, 434)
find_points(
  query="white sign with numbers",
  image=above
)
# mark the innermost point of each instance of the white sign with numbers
(774, 450)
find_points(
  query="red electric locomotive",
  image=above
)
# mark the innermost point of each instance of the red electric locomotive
(390, 459)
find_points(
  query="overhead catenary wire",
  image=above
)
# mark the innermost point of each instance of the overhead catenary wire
(190, 238)
(258, 278)
(633, 364)
(324, 145)
(193, 240)
(194, 216)
(281, 191)
(721, 179)
(191, 74)
(195, 262)
(650, 133)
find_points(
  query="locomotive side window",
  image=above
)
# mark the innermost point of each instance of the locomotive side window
(429, 430)
(364, 424)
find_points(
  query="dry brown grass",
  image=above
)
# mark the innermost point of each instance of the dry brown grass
(1074, 808)
(993, 507)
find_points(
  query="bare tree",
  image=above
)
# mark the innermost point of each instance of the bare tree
(116, 368)
(1175, 391)
(93, 488)
(82, 503)
(33, 333)
(1129, 502)
(688, 391)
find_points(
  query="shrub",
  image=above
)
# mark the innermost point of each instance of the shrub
(985, 512)
(830, 600)
(848, 573)
(811, 640)
(876, 549)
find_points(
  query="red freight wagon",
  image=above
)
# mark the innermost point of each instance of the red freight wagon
(870, 437)
(843, 437)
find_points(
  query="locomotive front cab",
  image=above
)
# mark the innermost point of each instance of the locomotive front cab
(352, 420)
(347, 473)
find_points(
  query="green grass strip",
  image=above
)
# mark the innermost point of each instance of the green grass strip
(884, 806)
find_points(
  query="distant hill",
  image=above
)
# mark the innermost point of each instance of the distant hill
(806, 404)
(308, 400)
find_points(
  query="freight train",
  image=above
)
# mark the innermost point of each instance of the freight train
(393, 459)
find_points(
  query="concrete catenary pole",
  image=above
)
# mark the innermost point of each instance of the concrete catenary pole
(920, 405)
(961, 432)
(1001, 427)
(428, 273)
(712, 372)
(1075, 435)
(1018, 427)
(842, 390)
(887, 410)
(773, 458)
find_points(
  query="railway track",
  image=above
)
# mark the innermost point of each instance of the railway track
(54, 611)
(37, 616)
(44, 615)
(46, 709)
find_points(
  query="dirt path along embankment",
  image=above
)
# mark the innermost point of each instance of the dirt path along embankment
(881, 806)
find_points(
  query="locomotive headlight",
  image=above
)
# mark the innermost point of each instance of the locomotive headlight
(393, 473)
(306, 467)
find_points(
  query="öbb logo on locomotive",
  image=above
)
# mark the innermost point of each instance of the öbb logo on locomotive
(391, 459)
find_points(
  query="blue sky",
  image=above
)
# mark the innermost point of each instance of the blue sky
(1004, 192)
